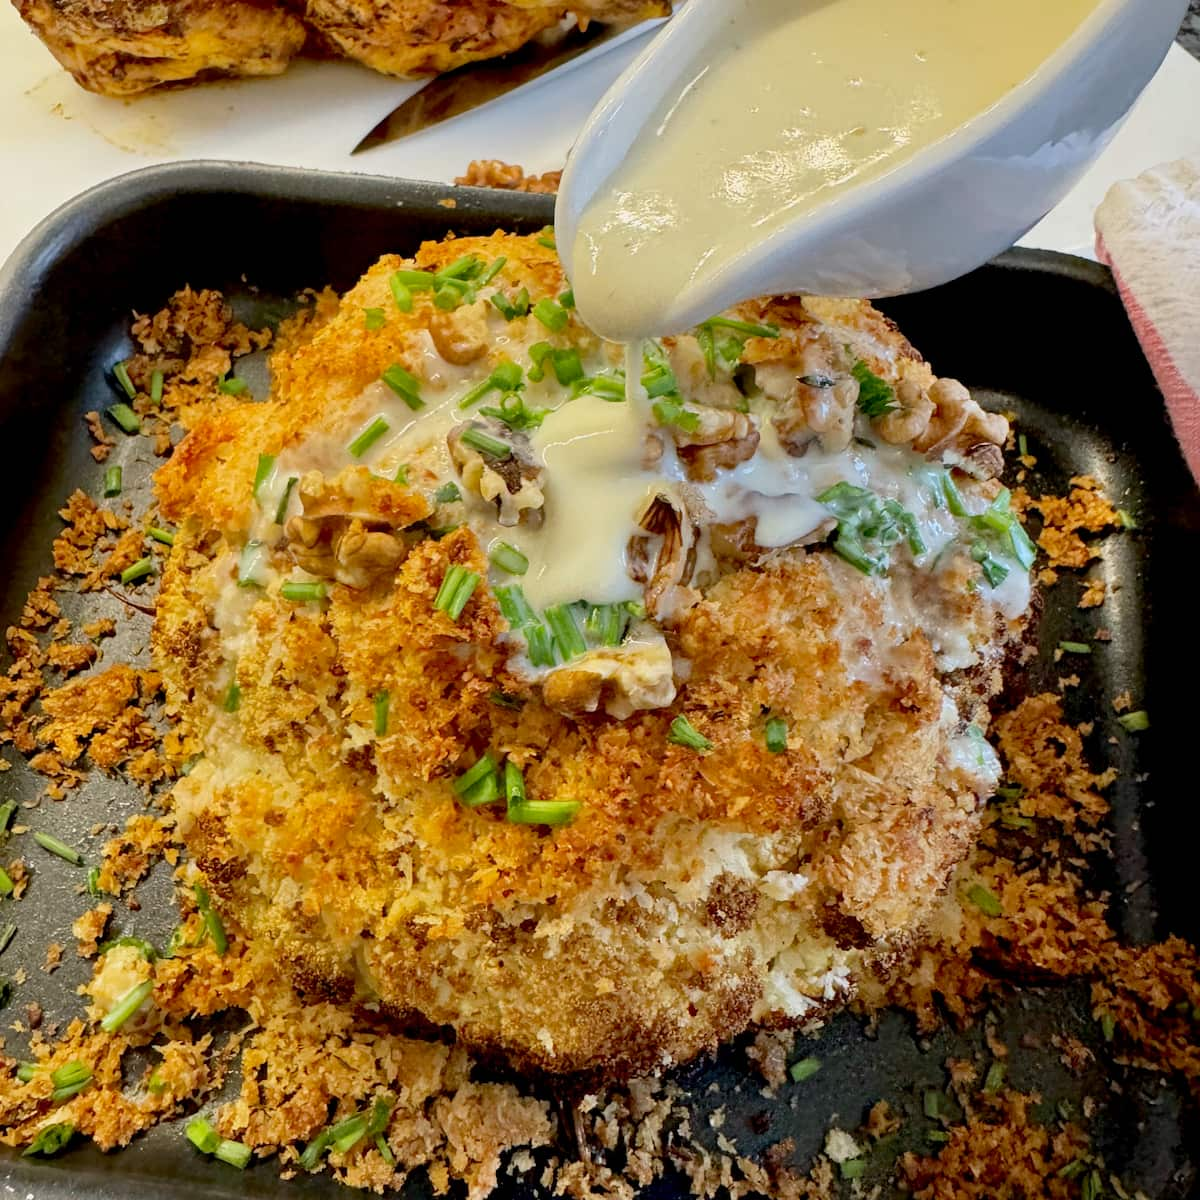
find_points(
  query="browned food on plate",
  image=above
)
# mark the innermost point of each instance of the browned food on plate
(491, 172)
(123, 47)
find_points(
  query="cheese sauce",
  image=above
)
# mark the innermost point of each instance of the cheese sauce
(798, 102)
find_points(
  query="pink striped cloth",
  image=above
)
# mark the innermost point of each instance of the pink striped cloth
(1148, 232)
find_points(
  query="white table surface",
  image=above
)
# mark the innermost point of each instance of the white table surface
(57, 140)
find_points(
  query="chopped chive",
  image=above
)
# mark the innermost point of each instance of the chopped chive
(202, 1135)
(935, 1104)
(567, 637)
(418, 281)
(233, 698)
(567, 299)
(368, 437)
(143, 947)
(984, 900)
(382, 703)
(502, 305)
(285, 499)
(266, 464)
(551, 314)
(138, 570)
(937, 1135)
(875, 395)
(684, 733)
(6, 883)
(1108, 1026)
(69, 1079)
(494, 269)
(1022, 547)
(235, 1154)
(749, 328)
(7, 809)
(853, 1168)
(381, 1110)
(514, 786)
(546, 238)
(121, 374)
(156, 387)
(776, 735)
(302, 593)
(401, 475)
(1092, 1187)
(374, 319)
(48, 841)
(1022, 446)
(345, 1135)
(212, 922)
(50, 1139)
(1075, 647)
(486, 444)
(479, 784)
(458, 585)
(1014, 820)
(165, 536)
(7, 933)
(607, 623)
(126, 418)
(1135, 722)
(385, 1150)
(448, 493)
(232, 387)
(484, 766)
(466, 267)
(544, 812)
(401, 293)
(26, 1071)
(1075, 1167)
(1126, 519)
(994, 1079)
(405, 384)
(508, 558)
(504, 700)
(514, 607)
(951, 495)
(541, 645)
(670, 410)
(112, 481)
(806, 1068)
(567, 365)
(315, 1150)
(127, 1006)
(93, 881)
(447, 298)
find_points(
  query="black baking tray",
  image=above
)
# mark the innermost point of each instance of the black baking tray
(1039, 334)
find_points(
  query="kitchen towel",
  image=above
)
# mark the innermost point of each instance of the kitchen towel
(1148, 232)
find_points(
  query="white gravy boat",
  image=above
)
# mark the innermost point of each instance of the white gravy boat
(942, 212)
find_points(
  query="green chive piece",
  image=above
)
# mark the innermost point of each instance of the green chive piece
(156, 387)
(93, 881)
(48, 841)
(541, 645)
(302, 593)
(266, 464)
(479, 784)
(1075, 647)
(951, 495)
(551, 314)
(749, 328)
(6, 936)
(546, 238)
(138, 570)
(466, 267)
(315, 1150)
(984, 900)
(514, 786)
(486, 444)
(994, 1080)
(368, 437)
(112, 481)
(401, 293)
(853, 1168)
(1126, 519)
(6, 883)
(776, 735)
(26, 1071)
(448, 493)
(143, 947)
(1108, 1026)
(502, 305)
(401, 474)
(385, 1151)
(875, 395)
(212, 922)
(935, 1104)
(684, 733)
(234, 1154)
(232, 387)
(345, 1135)
(165, 536)
(508, 558)
(458, 585)
(1092, 1187)
(202, 1135)
(1135, 722)
(406, 385)
(1022, 446)
(285, 499)
(567, 637)
(806, 1068)
(70, 1079)
(544, 812)
(383, 701)
(1072, 1169)
(670, 410)
(7, 809)
(127, 1006)
(121, 374)
(233, 697)
(937, 1135)
(126, 418)
(374, 319)
(568, 367)
(504, 700)
(50, 1139)
(607, 623)
(514, 607)
(381, 1110)
(493, 270)
(483, 767)
(447, 298)
(567, 299)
